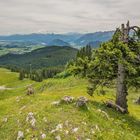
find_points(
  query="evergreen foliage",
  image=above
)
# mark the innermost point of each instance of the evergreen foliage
(40, 74)
(21, 75)
(81, 63)
(102, 65)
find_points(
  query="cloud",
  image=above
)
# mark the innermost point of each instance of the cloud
(27, 16)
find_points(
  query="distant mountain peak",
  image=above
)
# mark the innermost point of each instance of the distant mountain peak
(67, 39)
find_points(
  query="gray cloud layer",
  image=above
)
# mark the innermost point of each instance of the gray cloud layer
(27, 16)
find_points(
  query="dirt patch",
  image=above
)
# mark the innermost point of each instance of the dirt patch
(4, 88)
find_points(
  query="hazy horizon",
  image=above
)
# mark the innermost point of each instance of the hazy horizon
(64, 16)
(64, 33)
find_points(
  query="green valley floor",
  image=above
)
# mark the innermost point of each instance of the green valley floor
(35, 117)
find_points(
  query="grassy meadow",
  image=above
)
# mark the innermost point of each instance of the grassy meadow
(97, 122)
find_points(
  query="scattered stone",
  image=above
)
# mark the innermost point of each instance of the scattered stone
(138, 101)
(58, 138)
(43, 136)
(20, 135)
(75, 130)
(56, 103)
(30, 90)
(53, 131)
(30, 116)
(92, 131)
(67, 99)
(97, 128)
(5, 88)
(81, 101)
(59, 127)
(5, 120)
(32, 122)
(31, 119)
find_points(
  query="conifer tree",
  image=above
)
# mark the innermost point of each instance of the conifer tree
(81, 64)
(118, 59)
(21, 75)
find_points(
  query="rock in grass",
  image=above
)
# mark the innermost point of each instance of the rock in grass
(81, 102)
(43, 136)
(67, 99)
(56, 103)
(53, 131)
(75, 130)
(92, 131)
(59, 127)
(31, 119)
(138, 101)
(5, 120)
(20, 135)
(58, 138)
(97, 128)
(32, 122)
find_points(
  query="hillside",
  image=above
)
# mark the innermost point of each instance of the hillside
(93, 37)
(58, 42)
(64, 121)
(44, 57)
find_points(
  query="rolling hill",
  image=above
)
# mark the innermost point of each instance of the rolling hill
(43, 57)
(58, 42)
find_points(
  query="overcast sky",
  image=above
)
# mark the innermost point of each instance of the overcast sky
(60, 16)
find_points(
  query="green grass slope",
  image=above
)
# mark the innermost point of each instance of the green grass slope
(76, 123)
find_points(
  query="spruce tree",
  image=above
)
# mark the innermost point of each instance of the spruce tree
(21, 75)
(118, 59)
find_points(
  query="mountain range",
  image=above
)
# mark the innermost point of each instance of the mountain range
(69, 39)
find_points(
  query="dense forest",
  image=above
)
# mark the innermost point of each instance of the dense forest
(40, 58)
(39, 64)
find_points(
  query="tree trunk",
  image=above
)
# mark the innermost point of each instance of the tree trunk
(121, 95)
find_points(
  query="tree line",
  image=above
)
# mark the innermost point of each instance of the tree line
(39, 75)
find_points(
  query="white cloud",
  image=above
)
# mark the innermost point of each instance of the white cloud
(27, 16)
